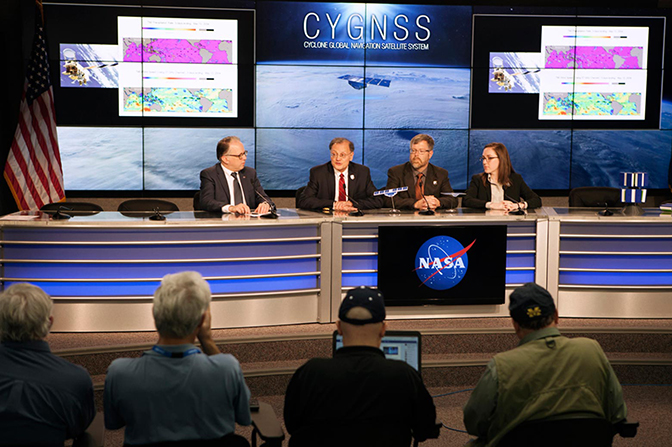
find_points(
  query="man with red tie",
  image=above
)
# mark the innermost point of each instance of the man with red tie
(425, 181)
(340, 184)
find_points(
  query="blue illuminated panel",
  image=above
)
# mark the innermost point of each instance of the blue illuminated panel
(616, 278)
(213, 251)
(620, 248)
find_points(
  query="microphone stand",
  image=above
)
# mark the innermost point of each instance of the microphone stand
(61, 216)
(429, 211)
(157, 215)
(606, 211)
(272, 213)
(520, 211)
(358, 211)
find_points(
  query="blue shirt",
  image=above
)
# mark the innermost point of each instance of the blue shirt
(43, 398)
(159, 398)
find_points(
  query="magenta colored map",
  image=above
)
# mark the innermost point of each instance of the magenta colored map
(594, 57)
(182, 51)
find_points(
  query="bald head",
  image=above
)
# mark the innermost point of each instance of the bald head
(361, 335)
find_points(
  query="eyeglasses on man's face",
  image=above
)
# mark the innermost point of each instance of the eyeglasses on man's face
(419, 151)
(341, 156)
(238, 156)
(488, 159)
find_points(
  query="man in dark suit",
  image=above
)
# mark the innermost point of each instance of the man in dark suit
(422, 178)
(340, 184)
(229, 186)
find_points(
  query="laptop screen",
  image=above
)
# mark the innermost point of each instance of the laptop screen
(396, 345)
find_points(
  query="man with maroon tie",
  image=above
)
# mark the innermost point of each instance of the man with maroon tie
(425, 181)
(340, 184)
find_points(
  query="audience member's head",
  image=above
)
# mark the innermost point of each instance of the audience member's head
(532, 307)
(179, 304)
(25, 313)
(362, 317)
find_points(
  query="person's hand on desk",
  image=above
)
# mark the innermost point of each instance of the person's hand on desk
(344, 206)
(241, 208)
(263, 208)
(506, 205)
(422, 204)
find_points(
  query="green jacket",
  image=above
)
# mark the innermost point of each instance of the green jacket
(547, 376)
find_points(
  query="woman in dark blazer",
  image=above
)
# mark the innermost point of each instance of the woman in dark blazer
(499, 187)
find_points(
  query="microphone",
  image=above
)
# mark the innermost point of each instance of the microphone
(272, 214)
(428, 211)
(358, 212)
(520, 211)
(606, 211)
(157, 215)
(61, 216)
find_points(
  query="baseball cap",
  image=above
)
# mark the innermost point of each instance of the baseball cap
(530, 302)
(370, 299)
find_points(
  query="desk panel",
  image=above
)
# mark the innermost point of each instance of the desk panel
(102, 273)
(611, 266)
(526, 241)
(102, 270)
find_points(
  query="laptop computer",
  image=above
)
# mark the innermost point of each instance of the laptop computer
(396, 345)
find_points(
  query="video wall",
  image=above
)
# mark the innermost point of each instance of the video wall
(143, 94)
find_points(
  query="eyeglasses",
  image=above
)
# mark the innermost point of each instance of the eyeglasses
(336, 156)
(238, 156)
(488, 159)
(418, 151)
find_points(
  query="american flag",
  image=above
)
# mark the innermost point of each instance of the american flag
(33, 170)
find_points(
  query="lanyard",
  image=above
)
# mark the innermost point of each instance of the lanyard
(175, 355)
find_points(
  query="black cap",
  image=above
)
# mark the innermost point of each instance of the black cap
(370, 299)
(530, 302)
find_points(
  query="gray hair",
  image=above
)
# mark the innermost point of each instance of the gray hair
(179, 303)
(24, 313)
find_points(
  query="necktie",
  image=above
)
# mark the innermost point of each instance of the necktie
(341, 189)
(237, 190)
(418, 187)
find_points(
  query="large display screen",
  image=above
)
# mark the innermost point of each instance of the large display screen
(144, 93)
(153, 66)
(442, 265)
(568, 72)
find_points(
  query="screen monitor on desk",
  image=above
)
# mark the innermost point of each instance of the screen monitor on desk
(441, 265)
(396, 345)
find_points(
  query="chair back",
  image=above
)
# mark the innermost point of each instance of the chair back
(72, 208)
(197, 201)
(594, 196)
(580, 432)
(299, 193)
(140, 207)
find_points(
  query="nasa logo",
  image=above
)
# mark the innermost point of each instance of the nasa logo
(442, 262)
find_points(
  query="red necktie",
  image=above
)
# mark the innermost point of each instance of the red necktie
(418, 187)
(341, 189)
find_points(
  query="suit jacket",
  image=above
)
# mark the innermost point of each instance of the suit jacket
(478, 194)
(215, 189)
(436, 182)
(321, 188)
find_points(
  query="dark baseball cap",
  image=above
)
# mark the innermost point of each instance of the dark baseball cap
(370, 299)
(530, 302)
